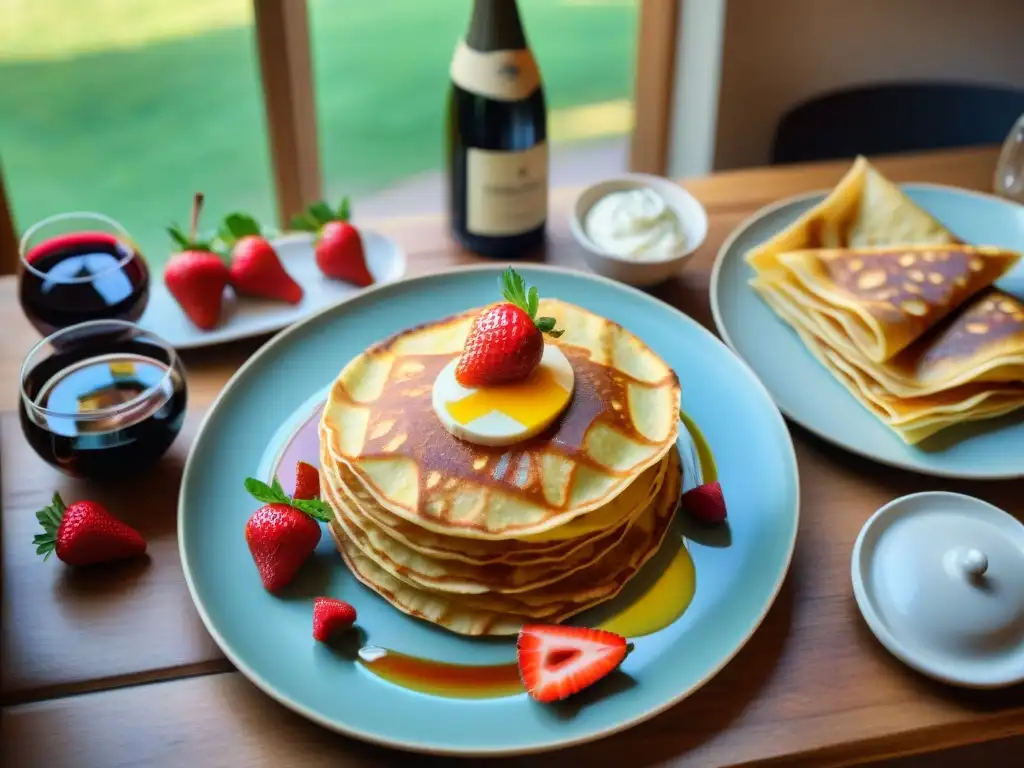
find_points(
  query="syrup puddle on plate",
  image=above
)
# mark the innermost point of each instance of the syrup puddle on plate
(658, 606)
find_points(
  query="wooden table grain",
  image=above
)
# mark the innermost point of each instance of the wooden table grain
(115, 668)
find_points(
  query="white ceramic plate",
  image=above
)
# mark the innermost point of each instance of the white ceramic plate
(245, 317)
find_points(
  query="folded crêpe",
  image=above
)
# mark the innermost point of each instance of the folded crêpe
(864, 209)
(970, 367)
(379, 422)
(885, 298)
(896, 307)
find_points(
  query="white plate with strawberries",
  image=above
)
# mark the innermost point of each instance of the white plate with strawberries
(241, 283)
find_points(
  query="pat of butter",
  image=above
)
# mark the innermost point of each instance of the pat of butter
(507, 413)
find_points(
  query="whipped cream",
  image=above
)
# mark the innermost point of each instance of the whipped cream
(635, 224)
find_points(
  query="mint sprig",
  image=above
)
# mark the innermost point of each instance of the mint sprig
(513, 290)
(274, 494)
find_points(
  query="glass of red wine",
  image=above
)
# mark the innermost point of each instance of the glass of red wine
(103, 399)
(77, 267)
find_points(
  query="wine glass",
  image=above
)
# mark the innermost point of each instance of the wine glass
(1009, 176)
(102, 399)
(77, 267)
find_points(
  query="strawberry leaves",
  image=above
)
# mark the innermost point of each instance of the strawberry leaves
(50, 518)
(185, 243)
(318, 214)
(513, 290)
(190, 242)
(274, 494)
(238, 225)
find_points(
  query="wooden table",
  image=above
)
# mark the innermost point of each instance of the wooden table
(115, 668)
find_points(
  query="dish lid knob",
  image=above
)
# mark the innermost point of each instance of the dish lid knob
(972, 562)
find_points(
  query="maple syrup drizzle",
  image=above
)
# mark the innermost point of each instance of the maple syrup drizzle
(438, 678)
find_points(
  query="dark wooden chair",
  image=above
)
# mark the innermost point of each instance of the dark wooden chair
(901, 117)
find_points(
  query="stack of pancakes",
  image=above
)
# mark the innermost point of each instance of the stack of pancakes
(481, 540)
(897, 308)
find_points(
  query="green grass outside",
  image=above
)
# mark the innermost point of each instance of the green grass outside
(131, 120)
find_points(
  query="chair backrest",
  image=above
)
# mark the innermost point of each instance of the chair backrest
(899, 117)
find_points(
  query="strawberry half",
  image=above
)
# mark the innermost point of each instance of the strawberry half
(555, 661)
(256, 269)
(196, 276)
(506, 341)
(339, 246)
(307, 481)
(705, 503)
(283, 533)
(331, 616)
(85, 533)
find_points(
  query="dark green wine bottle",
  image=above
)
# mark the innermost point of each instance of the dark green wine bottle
(497, 153)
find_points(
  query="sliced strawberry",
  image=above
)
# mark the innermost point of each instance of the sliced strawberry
(705, 503)
(331, 616)
(307, 481)
(556, 661)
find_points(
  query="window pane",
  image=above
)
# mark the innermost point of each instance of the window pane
(381, 71)
(128, 107)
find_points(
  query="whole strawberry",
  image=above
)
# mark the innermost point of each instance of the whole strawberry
(339, 246)
(196, 276)
(331, 616)
(506, 341)
(283, 533)
(256, 269)
(85, 533)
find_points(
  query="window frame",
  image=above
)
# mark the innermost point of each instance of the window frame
(286, 73)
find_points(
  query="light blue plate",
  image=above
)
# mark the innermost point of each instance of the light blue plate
(269, 638)
(809, 395)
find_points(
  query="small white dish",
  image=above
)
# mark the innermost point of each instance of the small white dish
(639, 272)
(245, 317)
(939, 579)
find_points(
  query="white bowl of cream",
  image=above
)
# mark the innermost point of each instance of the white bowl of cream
(637, 228)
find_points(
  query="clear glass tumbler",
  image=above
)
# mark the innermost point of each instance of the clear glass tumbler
(1009, 177)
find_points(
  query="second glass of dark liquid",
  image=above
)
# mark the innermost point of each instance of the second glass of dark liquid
(77, 267)
(102, 399)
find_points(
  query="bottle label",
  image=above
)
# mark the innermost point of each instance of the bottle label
(503, 75)
(506, 192)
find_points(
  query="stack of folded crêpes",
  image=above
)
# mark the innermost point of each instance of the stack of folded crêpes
(481, 540)
(897, 308)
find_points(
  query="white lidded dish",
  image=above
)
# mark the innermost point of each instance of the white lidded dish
(641, 272)
(939, 579)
